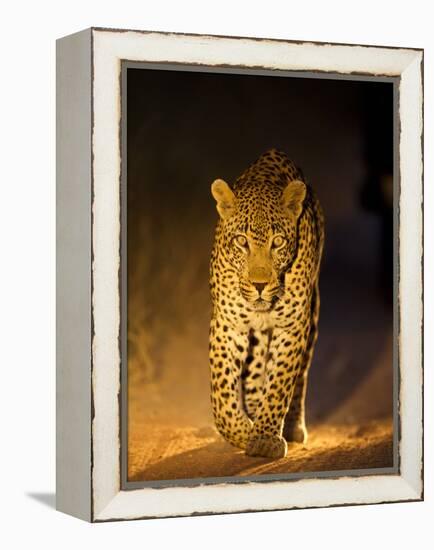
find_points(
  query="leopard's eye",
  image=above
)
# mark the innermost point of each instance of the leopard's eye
(278, 241)
(241, 240)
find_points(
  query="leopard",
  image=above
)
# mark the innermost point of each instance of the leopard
(264, 285)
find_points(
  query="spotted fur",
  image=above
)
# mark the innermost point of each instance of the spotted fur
(264, 287)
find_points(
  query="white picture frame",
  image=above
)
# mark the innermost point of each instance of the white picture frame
(89, 228)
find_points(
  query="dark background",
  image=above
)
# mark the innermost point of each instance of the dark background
(186, 129)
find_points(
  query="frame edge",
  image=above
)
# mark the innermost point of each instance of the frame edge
(73, 275)
(114, 508)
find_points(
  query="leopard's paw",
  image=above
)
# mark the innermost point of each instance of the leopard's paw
(269, 446)
(295, 432)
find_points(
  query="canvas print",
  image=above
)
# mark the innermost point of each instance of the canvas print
(260, 295)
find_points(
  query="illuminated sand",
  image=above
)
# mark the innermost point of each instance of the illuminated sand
(171, 433)
(185, 453)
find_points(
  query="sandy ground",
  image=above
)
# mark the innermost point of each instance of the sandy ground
(171, 433)
(174, 452)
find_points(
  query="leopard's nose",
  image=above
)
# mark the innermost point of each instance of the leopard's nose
(259, 287)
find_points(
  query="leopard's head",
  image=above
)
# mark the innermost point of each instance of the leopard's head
(258, 234)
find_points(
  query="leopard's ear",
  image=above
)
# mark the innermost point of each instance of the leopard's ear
(224, 197)
(293, 197)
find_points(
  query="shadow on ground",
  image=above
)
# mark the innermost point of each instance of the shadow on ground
(47, 499)
(329, 448)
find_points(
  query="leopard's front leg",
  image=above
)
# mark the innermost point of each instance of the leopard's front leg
(285, 358)
(226, 355)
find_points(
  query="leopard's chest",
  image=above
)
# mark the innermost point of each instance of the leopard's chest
(288, 314)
